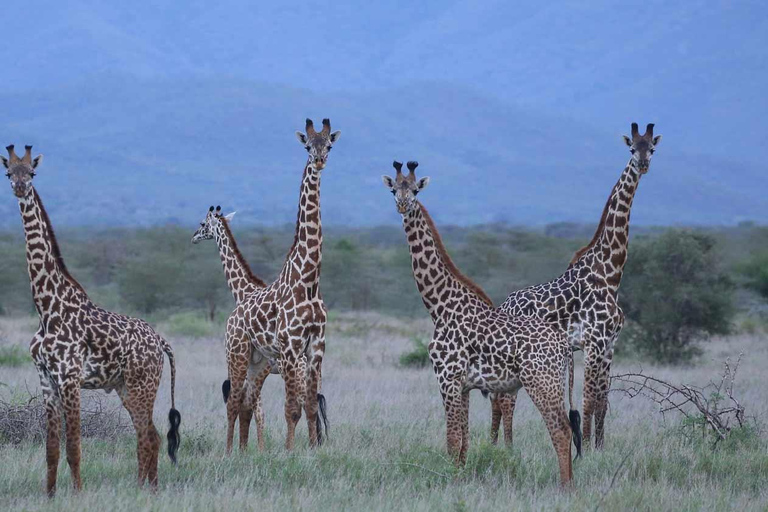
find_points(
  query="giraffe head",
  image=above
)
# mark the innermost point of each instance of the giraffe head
(318, 144)
(208, 226)
(642, 147)
(20, 171)
(405, 187)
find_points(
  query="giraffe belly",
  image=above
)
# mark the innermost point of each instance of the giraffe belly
(486, 378)
(98, 375)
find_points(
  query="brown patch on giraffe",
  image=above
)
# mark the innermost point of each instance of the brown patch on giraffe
(448, 262)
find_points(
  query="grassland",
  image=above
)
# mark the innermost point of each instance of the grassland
(386, 447)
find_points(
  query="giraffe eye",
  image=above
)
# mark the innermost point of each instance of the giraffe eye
(632, 151)
(652, 151)
(202, 224)
(32, 174)
(307, 147)
(329, 148)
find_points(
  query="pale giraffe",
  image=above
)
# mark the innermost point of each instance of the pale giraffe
(475, 346)
(80, 345)
(584, 300)
(242, 282)
(286, 320)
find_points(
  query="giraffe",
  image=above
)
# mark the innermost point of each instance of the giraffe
(584, 300)
(286, 320)
(242, 282)
(80, 345)
(476, 346)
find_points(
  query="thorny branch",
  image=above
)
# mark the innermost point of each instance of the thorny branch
(713, 405)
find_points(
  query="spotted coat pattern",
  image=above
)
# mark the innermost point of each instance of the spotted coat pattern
(474, 345)
(285, 320)
(583, 301)
(79, 345)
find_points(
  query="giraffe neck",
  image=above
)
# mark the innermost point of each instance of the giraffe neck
(48, 275)
(304, 258)
(444, 289)
(611, 240)
(240, 279)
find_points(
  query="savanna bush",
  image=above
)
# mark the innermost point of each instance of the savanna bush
(676, 292)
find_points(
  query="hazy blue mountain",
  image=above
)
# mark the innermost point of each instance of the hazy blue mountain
(150, 113)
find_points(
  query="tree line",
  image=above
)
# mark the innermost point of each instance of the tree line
(679, 285)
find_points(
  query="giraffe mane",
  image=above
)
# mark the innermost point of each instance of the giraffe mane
(600, 227)
(239, 256)
(55, 246)
(448, 262)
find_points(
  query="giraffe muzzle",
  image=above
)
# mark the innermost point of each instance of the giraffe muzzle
(20, 190)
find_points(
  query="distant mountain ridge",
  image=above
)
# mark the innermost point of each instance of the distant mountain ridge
(148, 116)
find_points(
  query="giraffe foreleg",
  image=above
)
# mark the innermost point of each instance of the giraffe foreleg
(595, 388)
(53, 429)
(502, 409)
(313, 399)
(70, 401)
(257, 374)
(604, 386)
(237, 368)
(464, 428)
(453, 401)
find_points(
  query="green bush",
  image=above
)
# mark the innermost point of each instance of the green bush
(418, 357)
(677, 292)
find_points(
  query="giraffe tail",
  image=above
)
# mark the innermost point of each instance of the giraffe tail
(226, 387)
(322, 418)
(573, 416)
(174, 417)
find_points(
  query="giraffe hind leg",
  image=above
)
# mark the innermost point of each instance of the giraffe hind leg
(549, 400)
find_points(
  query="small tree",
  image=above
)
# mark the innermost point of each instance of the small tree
(676, 292)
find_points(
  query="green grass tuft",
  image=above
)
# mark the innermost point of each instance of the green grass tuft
(418, 357)
(14, 356)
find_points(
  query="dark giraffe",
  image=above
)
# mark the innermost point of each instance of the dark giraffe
(583, 301)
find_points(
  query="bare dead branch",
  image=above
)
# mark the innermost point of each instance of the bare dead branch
(26, 420)
(713, 405)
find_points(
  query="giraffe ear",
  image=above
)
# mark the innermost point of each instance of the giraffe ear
(335, 136)
(422, 183)
(627, 141)
(302, 138)
(229, 217)
(36, 161)
(5, 162)
(388, 182)
(656, 140)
